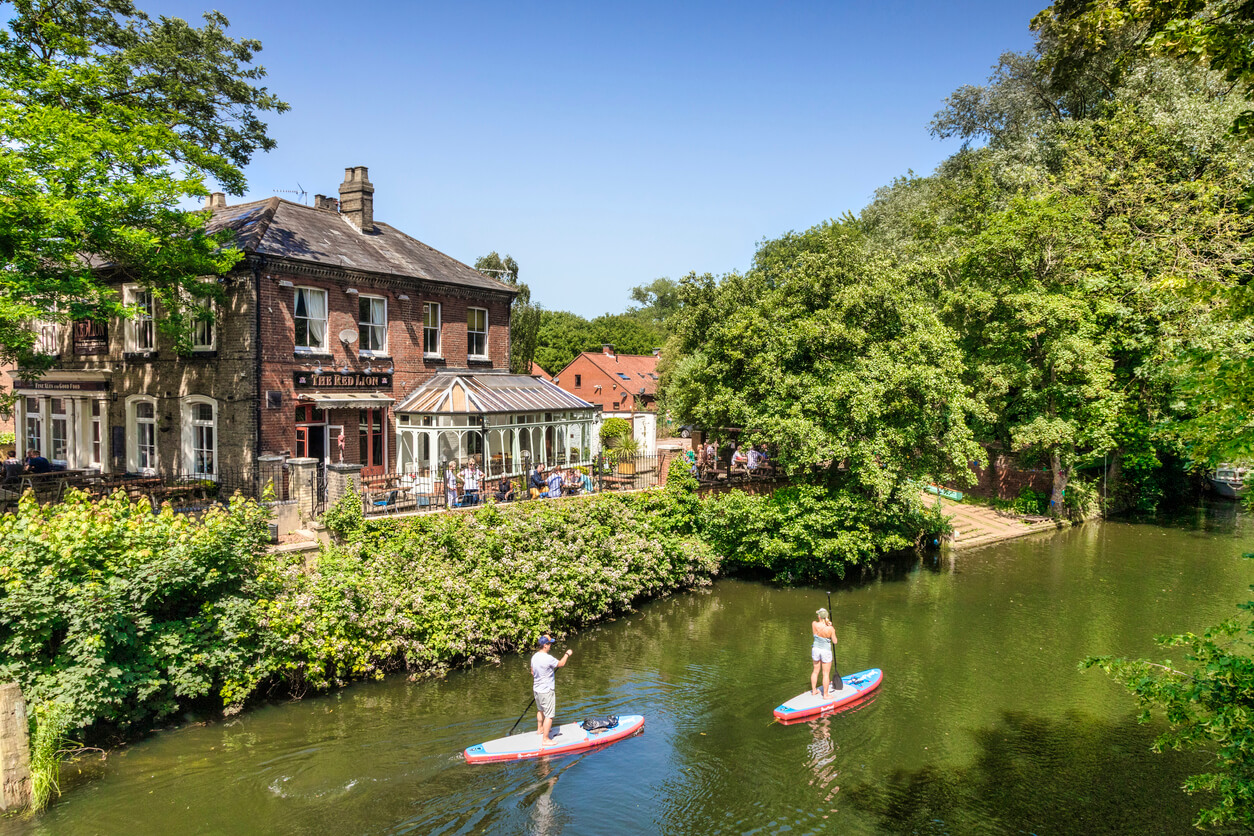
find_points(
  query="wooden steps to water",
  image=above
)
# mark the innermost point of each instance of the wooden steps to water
(979, 525)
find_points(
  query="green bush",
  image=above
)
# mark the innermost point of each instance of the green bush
(810, 532)
(8, 441)
(124, 617)
(1080, 499)
(346, 515)
(1030, 502)
(429, 592)
(614, 429)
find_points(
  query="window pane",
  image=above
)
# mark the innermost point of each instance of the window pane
(143, 409)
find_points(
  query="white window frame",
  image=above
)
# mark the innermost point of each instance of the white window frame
(141, 330)
(33, 419)
(191, 443)
(94, 442)
(483, 355)
(133, 424)
(363, 327)
(309, 330)
(63, 421)
(209, 325)
(427, 309)
(48, 341)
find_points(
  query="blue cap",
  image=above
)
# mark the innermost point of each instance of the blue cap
(545, 641)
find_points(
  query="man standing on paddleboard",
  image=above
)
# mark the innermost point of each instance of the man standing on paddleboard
(822, 653)
(544, 686)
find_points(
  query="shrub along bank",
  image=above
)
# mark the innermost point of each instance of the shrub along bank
(115, 619)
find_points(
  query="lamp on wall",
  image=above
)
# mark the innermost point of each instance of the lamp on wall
(285, 283)
(344, 370)
(317, 369)
(391, 368)
(351, 291)
(369, 369)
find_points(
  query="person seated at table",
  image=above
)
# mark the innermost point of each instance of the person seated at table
(755, 458)
(36, 463)
(505, 490)
(571, 482)
(536, 482)
(585, 481)
(11, 457)
(739, 461)
(555, 483)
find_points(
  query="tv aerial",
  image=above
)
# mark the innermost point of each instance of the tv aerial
(299, 190)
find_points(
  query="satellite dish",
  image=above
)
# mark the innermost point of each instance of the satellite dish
(348, 335)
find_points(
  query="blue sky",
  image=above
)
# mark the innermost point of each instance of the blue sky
(605, 145)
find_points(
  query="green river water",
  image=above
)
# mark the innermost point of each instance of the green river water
(983, 723)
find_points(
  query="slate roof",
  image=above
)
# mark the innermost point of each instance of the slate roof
(283, 229)
(490, 392)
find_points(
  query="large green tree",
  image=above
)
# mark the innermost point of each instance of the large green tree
(109, 121)
(524, 315)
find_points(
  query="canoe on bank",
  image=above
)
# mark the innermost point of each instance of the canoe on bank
(854, 687)
(568, 738)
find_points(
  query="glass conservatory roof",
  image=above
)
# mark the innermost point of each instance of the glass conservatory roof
(492, 392)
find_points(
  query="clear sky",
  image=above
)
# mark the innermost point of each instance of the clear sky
(604, 145)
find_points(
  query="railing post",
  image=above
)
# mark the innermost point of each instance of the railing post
(338, 477)
(14, 749)
(304, 483)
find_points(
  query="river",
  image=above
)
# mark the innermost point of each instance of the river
(984, 724)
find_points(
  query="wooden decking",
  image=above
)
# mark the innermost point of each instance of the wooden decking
(979, 525)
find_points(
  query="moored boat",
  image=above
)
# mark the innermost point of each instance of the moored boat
(1230, 481)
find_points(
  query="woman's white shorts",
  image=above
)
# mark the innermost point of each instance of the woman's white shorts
(821, 655)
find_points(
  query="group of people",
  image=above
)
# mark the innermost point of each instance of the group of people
(557, 482)
(465, 486)
(544, 666)
(742, 459)
(33, 463)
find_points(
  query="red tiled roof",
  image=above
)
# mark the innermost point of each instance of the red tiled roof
(630, 371)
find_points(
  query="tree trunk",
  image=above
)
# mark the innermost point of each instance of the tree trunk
(1056, 506)
(14, 749)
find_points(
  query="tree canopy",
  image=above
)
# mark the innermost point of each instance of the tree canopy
(524, 315)
(109, 121)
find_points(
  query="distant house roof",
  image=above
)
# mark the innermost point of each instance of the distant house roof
(632, 372)
(489, 392)
(537, 371)
(282, 229)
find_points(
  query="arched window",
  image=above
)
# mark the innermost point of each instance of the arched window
(200, 437)
(141, 434)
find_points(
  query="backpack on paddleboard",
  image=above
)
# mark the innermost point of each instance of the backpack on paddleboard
(599, 723)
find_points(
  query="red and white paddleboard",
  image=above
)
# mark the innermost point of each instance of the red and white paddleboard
(567, 739)
(854, 687)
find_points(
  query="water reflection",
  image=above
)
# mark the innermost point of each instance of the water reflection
(1035, 774)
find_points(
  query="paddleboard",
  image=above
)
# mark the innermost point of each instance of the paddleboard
(854, 687)
(566, 739)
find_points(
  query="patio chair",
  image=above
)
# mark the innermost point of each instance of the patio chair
(387, 502)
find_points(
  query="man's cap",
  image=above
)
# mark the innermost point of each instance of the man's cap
(545, 641)
(822, 612)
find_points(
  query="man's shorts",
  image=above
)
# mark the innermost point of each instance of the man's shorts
(546, 701)
(821, 655)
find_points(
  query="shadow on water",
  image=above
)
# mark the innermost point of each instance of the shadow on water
(1033, 774)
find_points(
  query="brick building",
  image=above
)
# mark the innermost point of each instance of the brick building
(622, 385)
(330, 319)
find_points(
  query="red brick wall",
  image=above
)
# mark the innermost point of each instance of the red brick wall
(589, 377)
(1004, 480)
(404, 350)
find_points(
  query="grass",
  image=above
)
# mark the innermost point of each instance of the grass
(48, 747)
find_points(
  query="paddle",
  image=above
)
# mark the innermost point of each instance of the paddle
(520, 716)
(839, 683)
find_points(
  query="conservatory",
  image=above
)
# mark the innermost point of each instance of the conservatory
(508, 422)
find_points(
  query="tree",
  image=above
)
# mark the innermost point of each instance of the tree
(659, 302)
(524, 317)
(109, 120)
(1207, 706)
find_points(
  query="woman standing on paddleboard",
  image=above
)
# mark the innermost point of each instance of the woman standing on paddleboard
(821, 652)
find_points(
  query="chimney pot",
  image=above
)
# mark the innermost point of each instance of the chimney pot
(357, 198)
(216, 200)
(331, 204)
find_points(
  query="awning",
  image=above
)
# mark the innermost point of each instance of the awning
(345, 400)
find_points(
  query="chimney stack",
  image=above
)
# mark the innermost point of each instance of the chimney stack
(607, 349)
(217, 200)
(357, 198)
(321, 201)
(657, 352)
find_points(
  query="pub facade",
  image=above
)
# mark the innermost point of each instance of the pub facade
(330, 321)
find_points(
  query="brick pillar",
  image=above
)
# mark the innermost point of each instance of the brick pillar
(303, 481)
(270, 473)
(338, 477)
(14, 749)
(663, 467)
